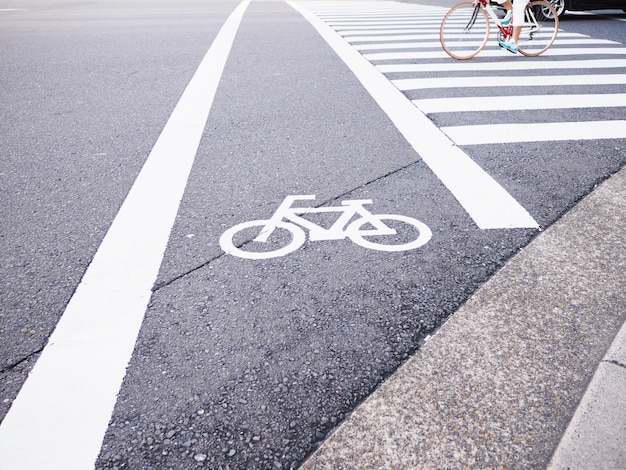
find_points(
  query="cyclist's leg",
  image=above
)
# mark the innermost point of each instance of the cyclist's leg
(518, 21)
(518, 17)
(506, 4)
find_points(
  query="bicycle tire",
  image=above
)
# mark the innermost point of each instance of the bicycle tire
(226, 240)
(464, 30)
(357, 236)
(532, 41)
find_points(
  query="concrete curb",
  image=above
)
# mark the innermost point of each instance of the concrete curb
(497, 385)
(596, 436)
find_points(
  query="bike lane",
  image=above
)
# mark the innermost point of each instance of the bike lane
(87, 91)
(250, 363)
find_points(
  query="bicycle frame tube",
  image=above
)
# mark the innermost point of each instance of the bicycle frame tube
(339, 229)
(529, 17)
(492, 14)
(279, 214)
(336, 230)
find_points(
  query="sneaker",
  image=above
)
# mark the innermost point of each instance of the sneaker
(507, 19)
(510, 46)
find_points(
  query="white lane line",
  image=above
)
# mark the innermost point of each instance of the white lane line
(390, 29)
(539, 132)
(508, 65)
(518, 103)
(488, 203)
(377, 22)
(373, 19)
(386, 32)
(554, 51)
(423, 36)
(60, 417)
(481, 82)
(434, 44)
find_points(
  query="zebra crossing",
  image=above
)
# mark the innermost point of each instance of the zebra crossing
(578, 73)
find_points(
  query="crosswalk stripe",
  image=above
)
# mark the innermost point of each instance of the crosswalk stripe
(378, 22)
(508, 65)
(433, 26)
(386, 31)
(429, 36)
(436, 44)
(518, 103)
(535, 132)
(511, 81)
(495, 52)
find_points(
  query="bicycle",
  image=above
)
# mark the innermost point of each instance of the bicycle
(465, 28)
(237, 241)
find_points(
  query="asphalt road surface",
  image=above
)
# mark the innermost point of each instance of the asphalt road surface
(135, 134)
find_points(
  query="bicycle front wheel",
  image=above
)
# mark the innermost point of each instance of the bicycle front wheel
(464, 31)
(409, 233)
(541, 25)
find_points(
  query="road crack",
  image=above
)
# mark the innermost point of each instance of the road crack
(15, 364)
(158, 286)
(616, 363)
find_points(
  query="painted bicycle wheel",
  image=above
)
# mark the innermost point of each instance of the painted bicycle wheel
(409, 233)
(243, 239)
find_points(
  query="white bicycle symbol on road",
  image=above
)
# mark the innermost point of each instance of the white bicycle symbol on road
(278, 238)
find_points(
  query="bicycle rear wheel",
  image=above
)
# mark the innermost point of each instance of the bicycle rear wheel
(541, 25)
(464, 30)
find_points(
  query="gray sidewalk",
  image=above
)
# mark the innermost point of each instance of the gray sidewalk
(520, 376)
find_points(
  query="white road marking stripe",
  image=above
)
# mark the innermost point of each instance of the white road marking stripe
(373, 18)
(508, 65)
(517, 103)
(536, 132)
(389, 29)
(510, 81)
(436, 44)
(389, 8)
(398, 37)
(554, 51)
(423, 36)
(418, 32)
(385, 21)
(385, 32)
(60, 417)
(488, 203)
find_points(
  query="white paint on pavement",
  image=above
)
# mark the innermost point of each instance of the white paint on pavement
(518, 103)
(554, 51)
(536, 132)
(489, 205)
(435, 44)
(506, 65)
(511, 81)
(60, 416)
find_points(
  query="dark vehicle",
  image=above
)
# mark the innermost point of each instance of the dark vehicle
(578, 5)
